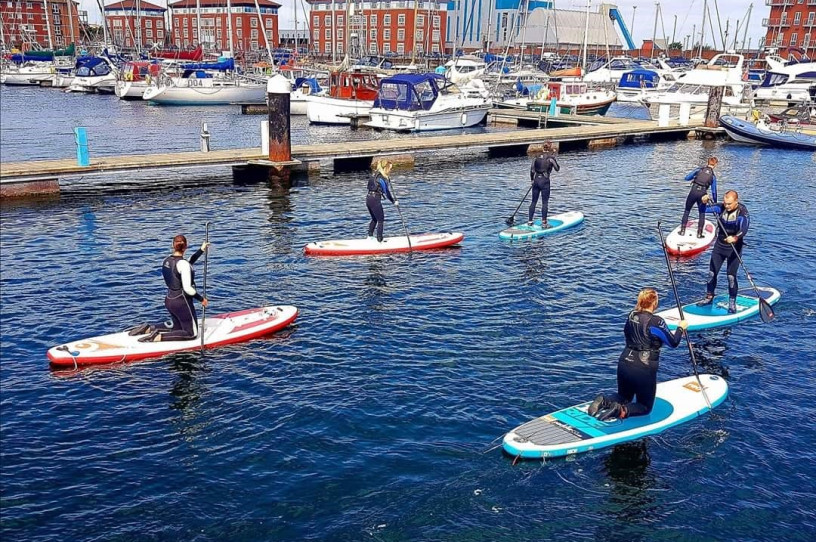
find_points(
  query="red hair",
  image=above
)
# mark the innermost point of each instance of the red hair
(179, 243)
(647, 300)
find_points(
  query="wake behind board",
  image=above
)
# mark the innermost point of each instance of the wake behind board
(222, 329)
(716, 313)
(573, 431)
(559, 222)
(689, 244)
(370, 245)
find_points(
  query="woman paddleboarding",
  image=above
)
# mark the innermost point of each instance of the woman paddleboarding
(179, 276)
(377, 189)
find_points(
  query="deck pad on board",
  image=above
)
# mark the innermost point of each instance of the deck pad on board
(715, 314)
(689, 244)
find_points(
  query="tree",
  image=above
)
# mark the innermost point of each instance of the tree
(675, 45)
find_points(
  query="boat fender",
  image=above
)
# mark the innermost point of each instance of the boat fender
(464, 119)
(129, 76)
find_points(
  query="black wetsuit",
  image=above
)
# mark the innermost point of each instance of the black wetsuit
(377, 188)
(540, 177)
(637, 366)
(178, 303)
(736, 223)
(701, 179)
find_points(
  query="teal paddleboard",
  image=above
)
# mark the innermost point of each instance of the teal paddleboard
(715, 314)
(573, 431)
(557, 223)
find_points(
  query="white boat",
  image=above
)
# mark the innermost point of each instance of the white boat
(637, 85)
(422, 102)
(94, 74)
(205, 84)
(464, 68)
(299, 96)
(788, 83)
(724, 70)
(573, 98)
(28, 73)
(611, 71)
(350, 94)
(135, 78)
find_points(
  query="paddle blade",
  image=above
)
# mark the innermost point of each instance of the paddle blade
(510, 221)
(766, 312)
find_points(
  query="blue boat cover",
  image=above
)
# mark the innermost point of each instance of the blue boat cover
(409, 92)
(92, 66)
(227, 64)
(639, 79)
(314, 86)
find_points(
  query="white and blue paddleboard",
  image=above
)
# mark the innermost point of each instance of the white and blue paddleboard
(716, 314)
(573, 431)
(559, 222)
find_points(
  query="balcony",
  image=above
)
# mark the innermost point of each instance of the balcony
(782, 3)
(776, 23)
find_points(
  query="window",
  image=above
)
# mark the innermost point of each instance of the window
(797, 17)
(386, 34)
(420, 20)
(339, 33)
(148, 23)
(327, 21)
(149, 33)
(340, 20)
(340, 48)
(401, 34)
(373, 20)
(239, 21)
(268, 23)
(28, 5)
(160, 34)
(218, 34)
(316, 20)
(218, 21)
(386, 47)
(436, 36)
(794, 39)
(327, 34)
(253, 34)
(238, 32)
(176, 22)
(436, 24)
(401, 19)
(253, 22)
(420, 35)
(387, 19)
(186, 22)
(372, 35)
(160, 24)
(186, 35)
(316, 34)
(400, 48)
(811, 16)
(327, 48)
(372, 48)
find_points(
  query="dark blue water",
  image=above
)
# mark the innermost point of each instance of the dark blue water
(373, 417)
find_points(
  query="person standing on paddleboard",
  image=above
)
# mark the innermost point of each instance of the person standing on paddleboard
(181, 291)
(377, 188)
(731, 229)
(701, 179)
(540, 178)
(645, 334)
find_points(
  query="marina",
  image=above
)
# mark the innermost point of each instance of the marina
(399, 271)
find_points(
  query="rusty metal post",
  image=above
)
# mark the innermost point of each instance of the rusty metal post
(278, 92)
(715, 96)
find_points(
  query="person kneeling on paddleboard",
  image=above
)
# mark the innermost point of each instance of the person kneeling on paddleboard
(181, 291)
(701, 179)
(377, 188)
(540, 178)
(732, 225)
(645, 334)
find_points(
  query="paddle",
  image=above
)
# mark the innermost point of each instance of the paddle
(396, 199)
(766, 312)
(682, 317)
(512, 220)
(206, 261)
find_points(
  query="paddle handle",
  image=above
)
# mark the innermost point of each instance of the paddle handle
(206, 262)
(521, 202)
(682, 316)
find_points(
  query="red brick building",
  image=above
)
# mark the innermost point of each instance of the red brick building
(25, 23)
(791, 25)
(135, 23)
(248, 34)
(378, 27)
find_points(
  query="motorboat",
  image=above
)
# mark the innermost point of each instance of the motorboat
(573, 98)
(611, 71)
(302, 89)
(351, 93)
(804, 114)
(760, 133)
(789, 83)
(636, 85)
(27, 73)
(425, 102)
(463, 68)
(93, 74)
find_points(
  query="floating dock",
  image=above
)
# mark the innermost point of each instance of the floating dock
(43, 176)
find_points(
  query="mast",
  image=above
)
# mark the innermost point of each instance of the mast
(101, 5)
(139, 26)
(413, 38)
(229, 28)
(702, 29)
(750, 9)
(198, 22)
(586, 37)
(654, 31)
(489, 21)
(334, 35)
(263, 31)
(524, 31)
(47, 25)
(71, 20)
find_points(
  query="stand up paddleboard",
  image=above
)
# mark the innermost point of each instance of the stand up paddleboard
(716, 314)
(222, 329)
(370, 245)
(573, 431)
(559, 222)
(689, 244)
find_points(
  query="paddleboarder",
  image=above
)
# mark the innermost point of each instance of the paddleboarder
(181, 291)
(731, 229)
(645, 334)
(701, 179)
(377, 189)
(540, 171)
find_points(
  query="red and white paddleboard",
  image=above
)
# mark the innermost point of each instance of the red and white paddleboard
(370, 245)
(228, 328)
(689, 244)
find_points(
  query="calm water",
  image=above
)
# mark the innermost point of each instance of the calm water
(373, 417)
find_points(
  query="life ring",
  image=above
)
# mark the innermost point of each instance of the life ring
(129, 76)
(543, 94)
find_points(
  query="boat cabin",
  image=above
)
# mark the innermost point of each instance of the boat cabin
(639, 79)
(353, 85)
(409, 92)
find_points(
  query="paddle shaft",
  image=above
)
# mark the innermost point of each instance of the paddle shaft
(513, 216)
(405, 229)
(206, 261)
(766, 312)
(682, 317)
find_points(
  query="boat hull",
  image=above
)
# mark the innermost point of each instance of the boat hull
(746, 132)
(327, 110)
(425, 121)
(206, 95)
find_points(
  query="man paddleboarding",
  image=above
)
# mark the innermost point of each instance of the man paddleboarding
(645, 334)
(377, 189)
(179, 276)
(732, 225)
(701, 179)
(540, 171)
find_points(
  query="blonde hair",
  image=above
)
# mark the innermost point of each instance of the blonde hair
(646, 300)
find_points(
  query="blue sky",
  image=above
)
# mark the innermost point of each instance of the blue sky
(688, 12)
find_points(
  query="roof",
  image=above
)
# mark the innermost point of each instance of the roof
(567, 27)
(221, 3)
(131, 4)
(412, 78)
